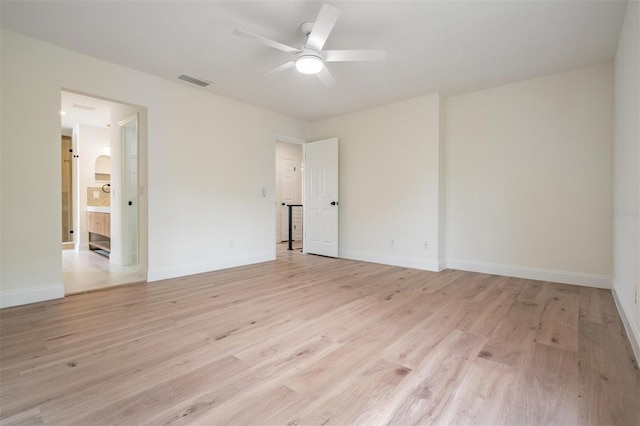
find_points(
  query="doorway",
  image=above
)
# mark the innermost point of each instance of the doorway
(66, 164)
(289, 172)
(105, 171)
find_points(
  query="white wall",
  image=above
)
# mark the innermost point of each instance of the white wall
(528, 174)
(91, 141)
(1, 163)
(31, 260)
(389, 182)
(626, 189)
(442, 184)
(194, 137)
(529, 177)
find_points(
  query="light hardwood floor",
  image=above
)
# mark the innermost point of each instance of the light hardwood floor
(313, 340)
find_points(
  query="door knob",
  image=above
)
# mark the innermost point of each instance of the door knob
(283, 204)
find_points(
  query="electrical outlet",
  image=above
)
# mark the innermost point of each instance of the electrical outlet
(393, 243)
(96, 194)
(425, 245)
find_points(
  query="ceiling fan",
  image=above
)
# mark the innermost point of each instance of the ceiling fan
(311, 59)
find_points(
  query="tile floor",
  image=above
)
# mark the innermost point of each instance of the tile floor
(84, 271)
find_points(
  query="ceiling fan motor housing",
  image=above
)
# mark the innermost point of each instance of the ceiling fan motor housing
(306, 52)
(306, 28)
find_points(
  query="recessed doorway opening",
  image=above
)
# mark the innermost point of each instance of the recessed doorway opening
(289, 172)
(104, 218)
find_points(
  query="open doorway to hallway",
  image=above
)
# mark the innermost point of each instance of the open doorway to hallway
(289, 193)
(107, 154)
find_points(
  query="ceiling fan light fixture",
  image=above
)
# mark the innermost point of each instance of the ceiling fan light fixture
(309, 64)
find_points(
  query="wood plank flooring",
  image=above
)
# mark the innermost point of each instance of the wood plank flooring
(313, 340)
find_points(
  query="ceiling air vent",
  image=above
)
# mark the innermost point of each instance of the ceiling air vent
(84, 107)
(203, 83)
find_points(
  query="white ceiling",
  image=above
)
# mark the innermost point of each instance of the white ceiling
(446, 46)
(85, 110)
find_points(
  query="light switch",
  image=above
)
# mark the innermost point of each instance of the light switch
(96, 194)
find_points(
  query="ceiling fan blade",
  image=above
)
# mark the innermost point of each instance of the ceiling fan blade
(354, 55)
(281, 68)
(326, 78)
(266, 41)
(322, 27)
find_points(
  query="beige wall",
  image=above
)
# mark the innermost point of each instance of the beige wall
(389, 182)
(194, 139)
(529, 177)
(626, 190)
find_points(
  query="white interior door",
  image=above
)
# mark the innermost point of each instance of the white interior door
(129, 135)
(287, 193)
(321, 197)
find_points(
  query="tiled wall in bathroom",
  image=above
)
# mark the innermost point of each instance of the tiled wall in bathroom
(104, 198)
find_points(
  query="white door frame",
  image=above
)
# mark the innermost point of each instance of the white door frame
(75, 183)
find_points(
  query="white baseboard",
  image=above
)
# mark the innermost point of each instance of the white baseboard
(565, 277)
(629, 325)
(442, 264)
(143, 272)
(405, 262)
(156, 274)
(30, 295)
